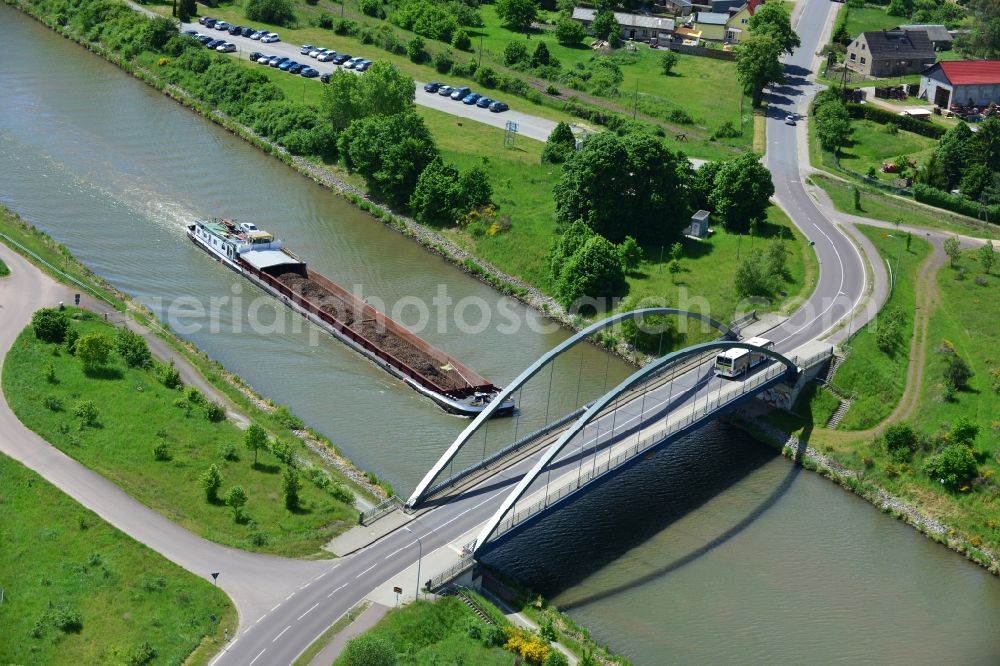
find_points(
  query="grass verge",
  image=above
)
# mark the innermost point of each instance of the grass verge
(878, 378)
(156, 442)
(4, 271)
(880, 206)
(324, 639)
(76, 590)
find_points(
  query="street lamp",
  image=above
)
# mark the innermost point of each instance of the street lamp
(420, 556)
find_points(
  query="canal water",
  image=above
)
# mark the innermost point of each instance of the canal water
(715, 550)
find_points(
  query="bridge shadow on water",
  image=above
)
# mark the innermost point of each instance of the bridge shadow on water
(588, 533)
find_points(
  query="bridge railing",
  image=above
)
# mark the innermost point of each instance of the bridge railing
(598, 469)
(384, 507)
(450, 574)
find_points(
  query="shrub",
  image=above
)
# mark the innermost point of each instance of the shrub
(227, 451)
(133, 349)
(416, 49)
(487, 76)
(443, 61)
(345, 27)
(515, 53)
(87, 412)
(236, 499)
(52, 403)
(367, 650)
(631, 253)
(726, 130)
(161, 452)
(957, 372)
(955, 203)
(900, 441)
(324, 20)
(371, 8)
(66, 619)
(215, 412)
(884, 116)
(283, 416)
(50, 374)
(169, 376)
(461, 40)
(93, 350)
(953, 467)
(964, 431)
(194, 396)
(291, 485)
(276, 12)
(50, 325)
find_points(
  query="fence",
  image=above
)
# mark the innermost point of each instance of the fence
(718, 54)
(384, 507)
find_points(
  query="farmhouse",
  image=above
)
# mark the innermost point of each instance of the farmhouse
(964, 82)
(738, 25)
(634, 26)
(890, 53)
(712, 25)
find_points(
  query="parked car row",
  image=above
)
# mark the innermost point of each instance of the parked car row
(211, 42)
(285, 64)
(466, 96)
(243, 31)
(344, 60)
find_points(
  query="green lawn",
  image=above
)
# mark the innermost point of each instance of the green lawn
(880, 206)
(878, 378)
(872, 145)
(137, 413)
(4, 271)
(61, 562)
(870, 18)
(437, 632)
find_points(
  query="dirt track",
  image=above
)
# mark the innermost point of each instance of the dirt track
(368, 328)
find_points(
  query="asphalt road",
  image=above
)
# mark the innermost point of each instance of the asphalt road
(528, 125)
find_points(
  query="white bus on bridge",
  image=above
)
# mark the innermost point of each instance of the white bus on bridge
(735, 361)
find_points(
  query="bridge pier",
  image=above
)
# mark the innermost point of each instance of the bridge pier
(816, 357)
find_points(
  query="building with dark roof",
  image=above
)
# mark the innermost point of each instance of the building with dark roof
(940, 38)
(890, 53)
(964, 82)
(638, 27)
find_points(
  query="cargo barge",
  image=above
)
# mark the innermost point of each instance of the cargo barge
(263, 260)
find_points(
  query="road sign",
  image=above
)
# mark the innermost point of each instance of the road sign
(397, 590)
(215, 577)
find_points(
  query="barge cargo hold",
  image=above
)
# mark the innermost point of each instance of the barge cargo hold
(263, 260)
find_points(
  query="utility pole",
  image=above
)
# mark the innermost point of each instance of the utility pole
(635, 99)
(480, 64)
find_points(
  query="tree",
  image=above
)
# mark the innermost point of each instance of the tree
(975, 180)
(157, 32)
(416, 49)
(50, 325)
(833, 126)
(742, 193)
(291, 485)
(569, 32)
(368, 650)
(383, 90)
(515, 53)
(473, 190)
(964, 431)
(133, 349)
(571, 240)
(957, 372)
(631, 254)
(953, 249)
(93, 350)
(900, 441)
(255, 439)
(390, 152)
(987, 256)
(955, 152)
(667, 62)
(856, 191)
(604, 24)
(517, 14)
(236, 499)
(632, 186)
(983, 41)
(953, 467)
(276, 12)
(432, 201)
(211, 481)
(988, 143)
(540, 57)
(772, 19)
(560, 144)
(758, 65)
(702, 183)
(900, 8)
(752, 276)
(186, 9)
(461, 40)
(594, 270)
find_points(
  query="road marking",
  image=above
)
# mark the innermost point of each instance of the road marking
(302, 587)
(336, 590)
(398, 550)
(275, 608)
(308, 611)
(258, 656)
(280, 635)
(366, 571)
(322, 574)
(261, 618)
(290, 596)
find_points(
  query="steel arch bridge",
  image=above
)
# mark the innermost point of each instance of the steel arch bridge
(757, 384)
(424, 487)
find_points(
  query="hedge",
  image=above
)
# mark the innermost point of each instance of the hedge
(955, 203)
(884, 117)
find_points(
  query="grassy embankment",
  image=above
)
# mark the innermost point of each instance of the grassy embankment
(707, 87)
(138, 413)
(880, 206)
(76, 590)
(523, 191)
(964, 316)
(4, 271)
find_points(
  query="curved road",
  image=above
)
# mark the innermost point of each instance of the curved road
(286, 604)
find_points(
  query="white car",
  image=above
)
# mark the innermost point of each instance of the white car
(221, 25)
(315, 53)
(257, 35)
(228, 47)
(326, 56)
(270, 38)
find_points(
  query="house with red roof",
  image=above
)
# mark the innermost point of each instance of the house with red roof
(964, 82)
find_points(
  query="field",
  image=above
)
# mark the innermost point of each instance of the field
(869, 18)
(137, 414)
(880, 206)
(878, 378)
(872, 145)
(65, 567)
(435, 632)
